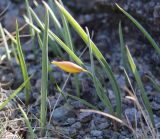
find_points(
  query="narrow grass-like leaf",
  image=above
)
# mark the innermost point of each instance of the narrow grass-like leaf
(67, 34)
(123, 49)
(142, 29)
(32, 135)
(41, 45)
(10, 36)
(14, 52)
(29, 16)
(32, 32)
(44, 83)
(14, 94)
(98, 55)
(5, 43)
(54, 18)
(99, 89)
(140, 85)
(31, 24)
(23, 66)
(60, 91)
(13, 41)
(59, 30)
(155, 84)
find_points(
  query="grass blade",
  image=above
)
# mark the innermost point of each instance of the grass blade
(44, 83)
(98, 55)
(54, 18)
(32, 32)
(23, 66)
(155, 84)
(14, 93)
(14, 52)
(5, 43)
(99, 89)
(140, 85)
(32, 135)
(123, 50)
(142, 29)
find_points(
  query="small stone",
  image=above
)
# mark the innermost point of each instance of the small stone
(77, 104)
(71, 120)
(81, 132)
(157, 98)
(85, 117)
(156, 12)
(30, 57)
(111, 94)
(61, 114)
(156, 121)
(130, 113)
(76, 125)
(10, 20)
(96, 133)
(38, 84)
(155, 106)
(67, 131)
(21, 96)
(92, 125)
(103, 125)
(47, 138)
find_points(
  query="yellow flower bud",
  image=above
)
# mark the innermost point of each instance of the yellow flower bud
(69, 66)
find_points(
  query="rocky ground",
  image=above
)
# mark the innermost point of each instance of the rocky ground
(101, 17)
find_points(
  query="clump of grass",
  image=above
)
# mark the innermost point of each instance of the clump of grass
(94, 53)
(98, 55)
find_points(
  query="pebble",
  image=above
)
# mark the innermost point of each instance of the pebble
(77, 125)
(131, 113)
(77, 104)
(103, 125)
(21, 96)
(10, 20)
(71, 132)
(156, 12)
(85, 117)
(71, 121)
(47, 138)
(155, 106)
(96, 133)
(61, 114)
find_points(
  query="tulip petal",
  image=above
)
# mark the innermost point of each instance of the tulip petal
(68, 66)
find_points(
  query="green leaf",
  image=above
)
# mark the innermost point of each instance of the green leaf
(140, 85)
(23, 65)
(44, 83)
(142, 29)
(14, 94)
(32, 135)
